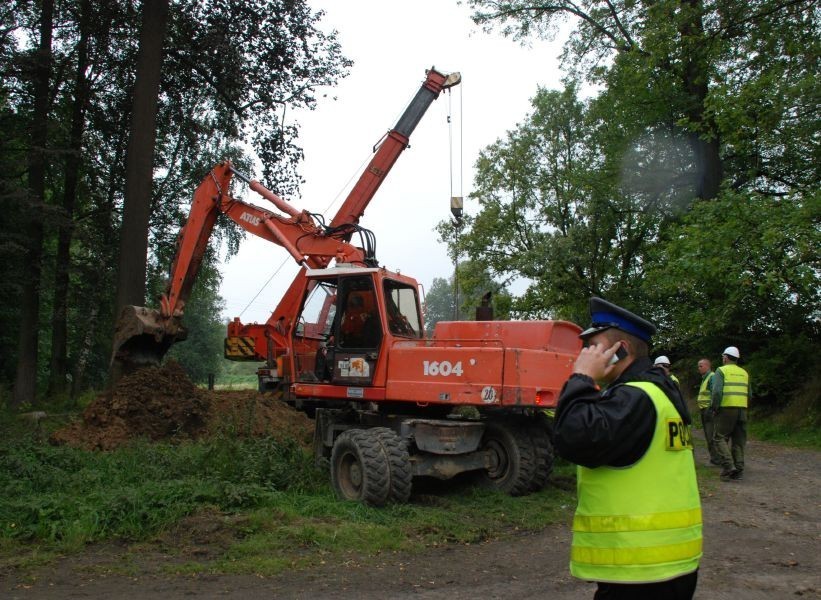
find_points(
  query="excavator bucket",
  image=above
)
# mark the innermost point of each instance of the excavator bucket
(141, 339)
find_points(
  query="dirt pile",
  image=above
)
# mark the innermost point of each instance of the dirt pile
(161, 403)
(249, 413)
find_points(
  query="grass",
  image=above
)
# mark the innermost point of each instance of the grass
(274, 510)
(785, 434)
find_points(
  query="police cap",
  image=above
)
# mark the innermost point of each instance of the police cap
(605, 315)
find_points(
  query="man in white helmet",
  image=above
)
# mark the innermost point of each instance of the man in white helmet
(730, 399)
(664, 362)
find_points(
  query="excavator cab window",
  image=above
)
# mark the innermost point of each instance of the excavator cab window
(402, 306)
(317, 317)
(359, 326)
(314, 331)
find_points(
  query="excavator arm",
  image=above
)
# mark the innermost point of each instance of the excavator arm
(264, 341)
(143, 335)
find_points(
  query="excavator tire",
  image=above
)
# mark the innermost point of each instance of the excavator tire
(543, 450)
(514, 458)
(360, 469)
(401, 476)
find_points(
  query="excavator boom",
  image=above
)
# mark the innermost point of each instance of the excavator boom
(143, 335)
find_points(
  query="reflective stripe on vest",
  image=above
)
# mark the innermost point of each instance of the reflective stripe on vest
(736, 388)
(641, 523)
(703, 392)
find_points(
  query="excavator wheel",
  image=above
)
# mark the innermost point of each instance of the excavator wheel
(539, 431)
(513, 459)
(401, 476)
(360, 468)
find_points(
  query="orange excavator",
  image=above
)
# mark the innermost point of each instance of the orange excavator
(346, 345)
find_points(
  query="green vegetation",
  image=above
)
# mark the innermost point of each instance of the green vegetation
(68, 497)
(237, 375)
(277, 510)
(685, 188)
(776, 430)
(799, 424)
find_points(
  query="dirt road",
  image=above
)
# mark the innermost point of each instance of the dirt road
(762, 540)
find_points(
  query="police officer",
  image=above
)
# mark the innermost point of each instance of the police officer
(730, 398)
(637, 527)
(705, 369)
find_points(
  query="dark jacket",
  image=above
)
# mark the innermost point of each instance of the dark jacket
(612, 427)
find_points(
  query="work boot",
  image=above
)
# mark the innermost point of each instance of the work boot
(728, 474)
(737, 475)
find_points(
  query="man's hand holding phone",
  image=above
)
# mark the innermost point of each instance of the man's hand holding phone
(598, 360)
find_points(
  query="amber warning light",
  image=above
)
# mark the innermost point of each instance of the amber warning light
(543, 397)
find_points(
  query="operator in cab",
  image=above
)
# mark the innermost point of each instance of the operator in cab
(637, 527)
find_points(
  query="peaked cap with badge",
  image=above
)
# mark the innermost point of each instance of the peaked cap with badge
(606, 315)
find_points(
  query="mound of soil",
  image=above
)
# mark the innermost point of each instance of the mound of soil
(249, 413)
(161, 403)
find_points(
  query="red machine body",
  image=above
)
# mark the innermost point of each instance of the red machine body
(346, 345)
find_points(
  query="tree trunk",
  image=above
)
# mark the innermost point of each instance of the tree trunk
(59, 326)
(84, 352)
(140, 157)
(97, 282)
(25, 383)
(704, 141)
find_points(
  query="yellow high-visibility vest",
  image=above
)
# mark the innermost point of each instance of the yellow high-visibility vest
(641, 523)
(703, 392)
(736, 388)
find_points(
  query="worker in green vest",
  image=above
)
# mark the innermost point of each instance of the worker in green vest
(730, 397)
(664, 362)
(705, 388)
(637, 527)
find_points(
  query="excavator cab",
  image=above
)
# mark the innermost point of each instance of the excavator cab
(346, 320)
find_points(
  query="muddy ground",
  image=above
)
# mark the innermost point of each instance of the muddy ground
(762, 536)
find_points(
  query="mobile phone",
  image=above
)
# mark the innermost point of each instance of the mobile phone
(620, 354)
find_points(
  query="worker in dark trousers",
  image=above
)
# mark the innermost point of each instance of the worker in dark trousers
(637, 527)
(730, 398)
(705, 389)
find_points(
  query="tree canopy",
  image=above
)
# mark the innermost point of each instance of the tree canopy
(232, 71)
(686, 186)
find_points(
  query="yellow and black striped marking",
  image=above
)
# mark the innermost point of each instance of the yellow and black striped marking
(239, 348)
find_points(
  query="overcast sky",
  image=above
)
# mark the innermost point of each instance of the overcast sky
(392, 42)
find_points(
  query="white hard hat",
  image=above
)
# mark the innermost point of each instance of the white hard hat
(732, 351)
(662, 360)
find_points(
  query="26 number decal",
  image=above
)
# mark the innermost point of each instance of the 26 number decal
(444, 368)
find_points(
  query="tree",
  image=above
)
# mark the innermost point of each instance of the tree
(25, 383)
(440, 303)
(556, 211)
(59, 321)
(139, 171)
(686, 61)
(744, 270)
(230, 72)
(201, 354)
(474, 283)
(694, 174)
